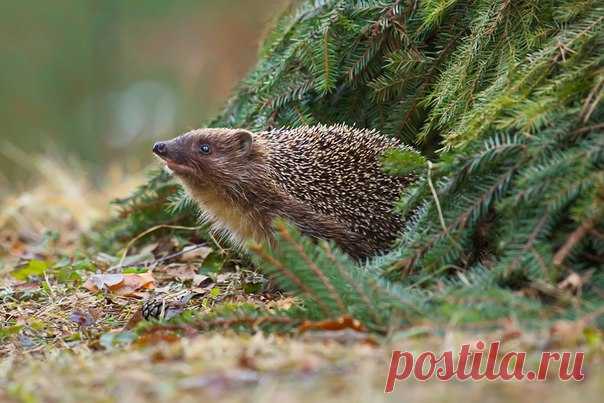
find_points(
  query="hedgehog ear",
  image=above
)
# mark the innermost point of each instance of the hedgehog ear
(245, 140)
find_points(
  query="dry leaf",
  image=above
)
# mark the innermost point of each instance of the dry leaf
(566, 332)
(344, 322)
(201, 280)
(83, 319)
(157, 335)
(98, 282)
(284, 303)
(134, 282)
(182, 272)
(510, 330)
(195, 253)
(121, 284)
(572, 281)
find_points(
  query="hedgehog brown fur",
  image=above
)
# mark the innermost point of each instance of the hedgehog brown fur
(327, 180)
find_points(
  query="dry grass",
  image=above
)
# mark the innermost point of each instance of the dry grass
(54, 332)
(229, 367)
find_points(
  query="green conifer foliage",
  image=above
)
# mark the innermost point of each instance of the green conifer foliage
(502, 97)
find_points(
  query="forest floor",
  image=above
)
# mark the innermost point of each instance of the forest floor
(70, 326)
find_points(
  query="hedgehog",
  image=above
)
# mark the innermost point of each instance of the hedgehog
(328, 181)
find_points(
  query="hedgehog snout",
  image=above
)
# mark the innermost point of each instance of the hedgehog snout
(160, 148)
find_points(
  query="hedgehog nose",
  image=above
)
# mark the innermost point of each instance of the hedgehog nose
(160, 148)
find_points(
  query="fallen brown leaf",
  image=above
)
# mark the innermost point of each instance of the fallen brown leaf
(344, 322)
(121, 284)
(195, 253)
(98, 282)
(157, 335)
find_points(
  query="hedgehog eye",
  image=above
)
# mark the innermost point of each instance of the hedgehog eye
(204, 148)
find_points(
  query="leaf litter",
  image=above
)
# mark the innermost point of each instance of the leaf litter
(71, 326)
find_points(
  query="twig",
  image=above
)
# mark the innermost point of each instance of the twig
(147, 232)
(572, 240)
(591, 101)
(433, 190)
(459, 222)
(222, 250)
(441, 218)
(596, 233)
(529, 243)
(586, 129)
(175, 254)
(53, 297)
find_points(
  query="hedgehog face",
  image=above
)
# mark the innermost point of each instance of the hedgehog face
(207, 156)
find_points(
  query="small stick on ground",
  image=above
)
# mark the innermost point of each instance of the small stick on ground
(147, 232)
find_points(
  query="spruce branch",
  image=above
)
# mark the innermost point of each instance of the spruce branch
(286, 236)
(346, 275)
(287, 273)
(504, 97)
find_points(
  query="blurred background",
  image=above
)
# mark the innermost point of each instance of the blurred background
(99, 80)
